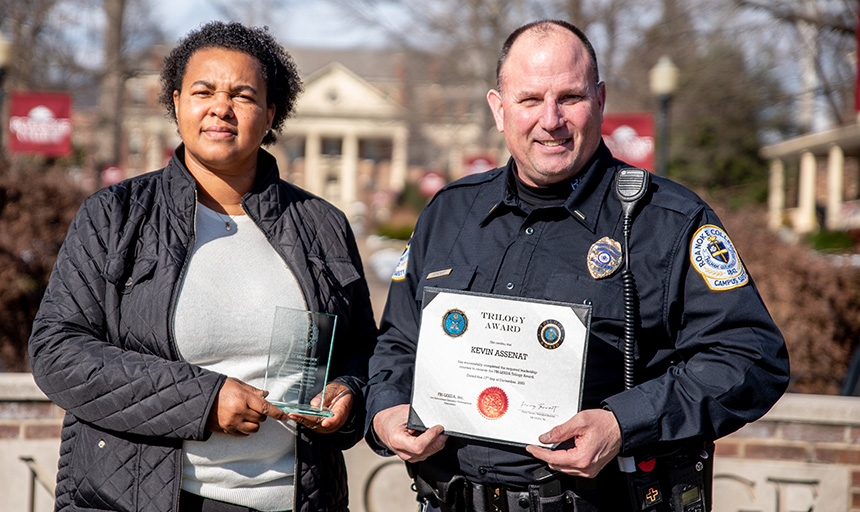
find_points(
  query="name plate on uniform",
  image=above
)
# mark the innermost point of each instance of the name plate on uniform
(503, 369)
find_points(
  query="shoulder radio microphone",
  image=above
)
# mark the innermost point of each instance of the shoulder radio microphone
(678, 481)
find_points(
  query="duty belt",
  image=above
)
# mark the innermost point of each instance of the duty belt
(461, 495)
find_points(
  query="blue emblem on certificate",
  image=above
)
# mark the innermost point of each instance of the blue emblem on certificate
(550, 334)
(715, 258)
(455, 323)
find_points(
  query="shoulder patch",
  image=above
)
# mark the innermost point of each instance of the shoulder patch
(402, 264)
(714, 256)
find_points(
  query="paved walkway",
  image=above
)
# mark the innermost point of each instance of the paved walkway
(389, 490)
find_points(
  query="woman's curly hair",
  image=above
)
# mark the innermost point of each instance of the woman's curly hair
(283, 84)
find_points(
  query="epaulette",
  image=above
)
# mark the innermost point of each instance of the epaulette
(675, 197)
(471, 180)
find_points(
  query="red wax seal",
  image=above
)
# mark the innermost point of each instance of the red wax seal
(492, 403)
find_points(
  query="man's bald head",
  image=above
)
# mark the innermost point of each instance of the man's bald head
(544, 28)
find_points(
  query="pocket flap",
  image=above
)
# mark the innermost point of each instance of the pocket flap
(117, 271)
(341, 272)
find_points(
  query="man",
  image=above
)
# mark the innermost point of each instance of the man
(708, 357)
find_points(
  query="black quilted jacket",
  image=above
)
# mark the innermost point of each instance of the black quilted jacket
(102, 346)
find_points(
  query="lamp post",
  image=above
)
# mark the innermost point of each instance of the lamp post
(663, 80)
(5, 57)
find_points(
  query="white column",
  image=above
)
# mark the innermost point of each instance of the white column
(313, 173)
(835, 167)
(349, 173)
(455, 161)
(805, 221)
(776, 194)
(398, 160)
(155, 150)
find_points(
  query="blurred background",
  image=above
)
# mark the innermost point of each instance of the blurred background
(751, 103)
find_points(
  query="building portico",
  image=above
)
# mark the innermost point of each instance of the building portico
(346, 141)
(815, 182)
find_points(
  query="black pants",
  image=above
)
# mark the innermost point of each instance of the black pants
(189, 502)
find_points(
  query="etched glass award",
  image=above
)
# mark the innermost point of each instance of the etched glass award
(299, 357)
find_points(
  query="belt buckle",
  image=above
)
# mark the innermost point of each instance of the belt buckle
(498, 499)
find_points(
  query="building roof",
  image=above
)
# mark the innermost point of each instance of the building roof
(819, 143)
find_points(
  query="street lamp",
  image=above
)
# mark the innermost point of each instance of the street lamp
(5, 57)
(663, 80)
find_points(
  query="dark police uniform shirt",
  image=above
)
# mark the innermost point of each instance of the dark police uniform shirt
(708, 357)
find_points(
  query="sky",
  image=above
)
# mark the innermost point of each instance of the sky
(303, 23)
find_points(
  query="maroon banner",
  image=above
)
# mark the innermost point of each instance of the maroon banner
(630, 137)
(40, 122)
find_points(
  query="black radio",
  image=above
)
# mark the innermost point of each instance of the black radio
(676, 482)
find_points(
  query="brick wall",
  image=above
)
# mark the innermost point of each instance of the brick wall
(29, 427)
(25, 413)
(803, 455)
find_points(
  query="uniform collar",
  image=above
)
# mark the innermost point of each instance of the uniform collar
(584, 203)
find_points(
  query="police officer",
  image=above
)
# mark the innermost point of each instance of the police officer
(708, 356)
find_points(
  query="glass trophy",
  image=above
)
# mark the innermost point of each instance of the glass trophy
(299, 357)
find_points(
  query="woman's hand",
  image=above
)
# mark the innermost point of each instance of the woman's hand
(339, 399)
(240, 408)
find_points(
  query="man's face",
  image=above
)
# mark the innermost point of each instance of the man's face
(549, 107)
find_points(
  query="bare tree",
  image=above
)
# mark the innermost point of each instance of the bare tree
(128, 33)
(112, 84)
(825, 34)
(251, 12)
(27, 24)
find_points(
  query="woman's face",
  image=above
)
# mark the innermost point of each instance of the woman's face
(222, 110)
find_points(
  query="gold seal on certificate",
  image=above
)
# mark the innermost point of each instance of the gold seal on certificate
(299, 357)
(503, 369)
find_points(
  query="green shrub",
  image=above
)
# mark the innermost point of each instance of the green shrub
(395, 231)
(832, 241)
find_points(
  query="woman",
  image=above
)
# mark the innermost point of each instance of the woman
(153, 332)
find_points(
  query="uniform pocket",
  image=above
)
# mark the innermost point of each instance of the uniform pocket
(607, 303)
(606, 297)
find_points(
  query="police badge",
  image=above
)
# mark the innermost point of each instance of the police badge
(604, 258)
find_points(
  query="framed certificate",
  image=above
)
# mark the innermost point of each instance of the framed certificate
(503, 369)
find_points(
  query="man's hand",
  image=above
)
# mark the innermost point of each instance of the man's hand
(240, 408)
(595, 439)
(390, 427)
(339, 399)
